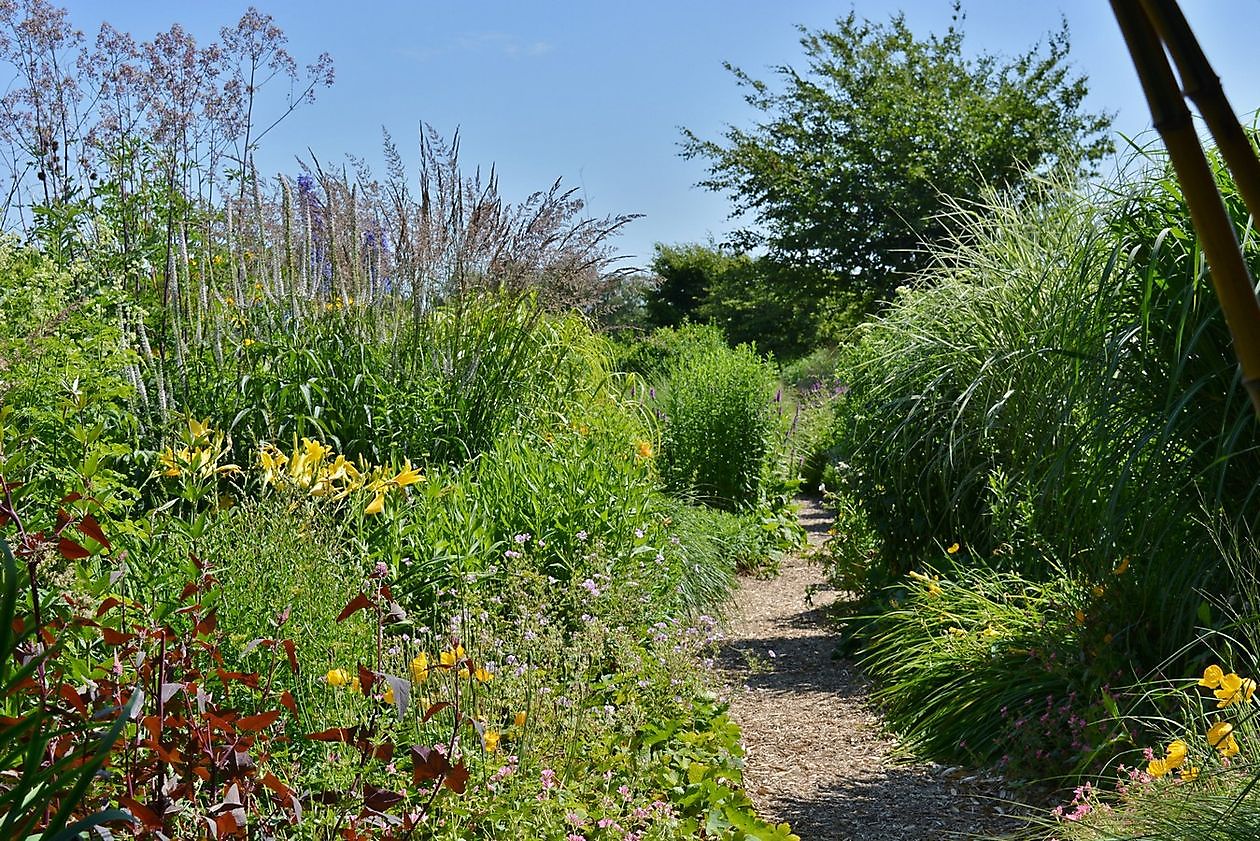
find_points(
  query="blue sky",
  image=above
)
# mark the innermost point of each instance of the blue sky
(595, 92)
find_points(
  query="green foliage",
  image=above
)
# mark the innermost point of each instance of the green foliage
(843, 171)
(719, 426)
(654, 355)
(987, 668)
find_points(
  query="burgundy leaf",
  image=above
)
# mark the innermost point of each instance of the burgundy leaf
(457, 779)
(258, 721)
(359, 602)
(380, 799)
(89, 526)
(71, 550)
(427, 764)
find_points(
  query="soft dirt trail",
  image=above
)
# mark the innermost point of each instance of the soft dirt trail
(817, 756)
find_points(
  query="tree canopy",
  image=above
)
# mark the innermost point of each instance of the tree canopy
(842, 175)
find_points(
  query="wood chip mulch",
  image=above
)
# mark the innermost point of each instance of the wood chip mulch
(818, 755)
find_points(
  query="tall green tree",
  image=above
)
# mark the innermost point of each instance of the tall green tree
(842, 175)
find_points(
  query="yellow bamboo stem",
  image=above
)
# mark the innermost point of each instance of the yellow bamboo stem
(1203, 86)
(1232, 281)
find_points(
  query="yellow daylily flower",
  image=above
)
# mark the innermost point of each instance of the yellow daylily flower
(199, 429)
(407, 476)
(377, 505)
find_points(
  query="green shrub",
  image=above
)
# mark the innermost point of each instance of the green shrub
(653, 356)
(719, 426)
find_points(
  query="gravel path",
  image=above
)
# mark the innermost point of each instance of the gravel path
(817, 756)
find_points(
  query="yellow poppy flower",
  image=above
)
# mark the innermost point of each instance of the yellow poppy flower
(419, 668)
(643, 449)
(483, 675)
(1212, 676)
(1157, 768)
(389, 694)
(519, 719)
(1221, 736)
(337, 678)
(1176, 754)
(1234, 690)
(953, 549)
(490, 739)
(1189, 773)
(449, 658)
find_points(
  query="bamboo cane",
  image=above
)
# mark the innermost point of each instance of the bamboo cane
(1203, 86)
(1232, 281)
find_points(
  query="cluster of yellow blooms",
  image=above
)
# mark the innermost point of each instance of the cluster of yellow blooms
(1230, 690)
(203, 450)
(931, 583)
(314, 468)
(455, 659)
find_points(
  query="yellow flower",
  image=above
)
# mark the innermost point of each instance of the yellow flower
(199, 429)
(1079, 616)
(389, 694)
(934, 589)
(483, 674)
(953, 549)
(337, 678)
(170, 461)
(249, 342)
(1157, 768)
(377, 505)
(1121, 567)
(408, 476)
(1189, 773)
(449, 658)
(1221, 736)
(1234, 690)
(1212, 676)
(420, 668)
(490, 739)
(519, 719)
(1176, 754)
(644, 449)
(355, 686)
